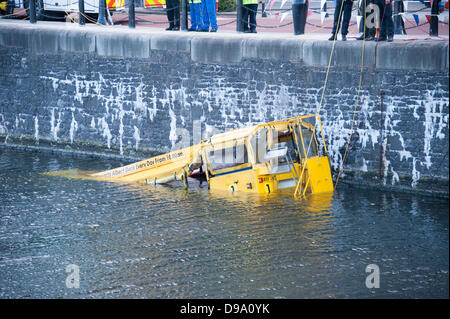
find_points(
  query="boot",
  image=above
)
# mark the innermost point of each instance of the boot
(299, 14)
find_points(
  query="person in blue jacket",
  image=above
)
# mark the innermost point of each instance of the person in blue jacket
(209, 16)
(195, 8)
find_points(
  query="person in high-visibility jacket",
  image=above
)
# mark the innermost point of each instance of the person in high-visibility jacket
(209, 16)
(249, 10)
(195, 8)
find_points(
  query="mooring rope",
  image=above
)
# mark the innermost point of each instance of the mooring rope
(322, 97)
(344, 158)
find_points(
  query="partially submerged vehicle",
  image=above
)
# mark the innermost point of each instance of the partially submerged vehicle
(265, 158)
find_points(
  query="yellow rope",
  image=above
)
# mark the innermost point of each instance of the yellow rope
(324, 87)
(357, 99)
(89, 19)
(68, 15)
(321, 99)
(13, 14)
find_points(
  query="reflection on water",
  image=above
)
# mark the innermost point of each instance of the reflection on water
(138, 241)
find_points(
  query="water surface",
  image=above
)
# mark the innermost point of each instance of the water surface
(133, 241)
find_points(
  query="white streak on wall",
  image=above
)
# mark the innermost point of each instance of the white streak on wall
(106, 132)
(363, 166)
(139, 105)
(395, 177)
(435, 122)
(152, 112)
(173, 127)
(73, 128)
(54, 128)
(3, 129)
(36, 129)
(136, 137)
(415, 175)
(121, 113)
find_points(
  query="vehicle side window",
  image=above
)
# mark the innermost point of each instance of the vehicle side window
(228, 157)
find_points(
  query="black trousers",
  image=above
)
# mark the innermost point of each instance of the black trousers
(387, 24)
(346, 12)
(249, 16)
(173, 13)
(370, 31)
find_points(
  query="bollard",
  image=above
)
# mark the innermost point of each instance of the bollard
(81, 19)
(434, 20)
(32, 11)
(131, 15)
(239, 16)
(184, 20)
(299, 15)
(101, 12)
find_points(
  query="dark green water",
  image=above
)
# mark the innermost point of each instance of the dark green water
(133, 241)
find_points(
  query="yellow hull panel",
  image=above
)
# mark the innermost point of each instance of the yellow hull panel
(319, 174)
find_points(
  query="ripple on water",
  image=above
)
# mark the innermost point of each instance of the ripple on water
(164, 242)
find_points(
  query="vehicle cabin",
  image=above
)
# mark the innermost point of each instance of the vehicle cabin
(269, 157)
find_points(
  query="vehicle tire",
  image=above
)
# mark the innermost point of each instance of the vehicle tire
(43, 15)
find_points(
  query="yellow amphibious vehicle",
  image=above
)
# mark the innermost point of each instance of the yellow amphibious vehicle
(266, 158)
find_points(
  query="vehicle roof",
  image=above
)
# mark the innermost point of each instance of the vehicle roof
(239, 134)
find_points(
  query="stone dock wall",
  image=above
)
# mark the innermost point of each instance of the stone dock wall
(132, 93)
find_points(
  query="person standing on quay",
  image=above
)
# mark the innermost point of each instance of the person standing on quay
(343, 10)
(249, 10)
(382, 17)
(209, 16)
(369, 33)
(387, 24)
(195, 8)
(173, 15)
